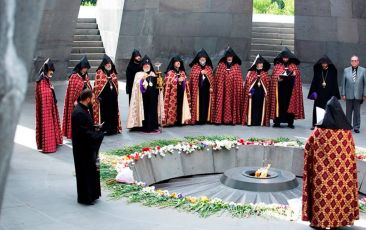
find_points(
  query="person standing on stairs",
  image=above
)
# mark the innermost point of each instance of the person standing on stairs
(78, 81)
(132, 68)
(105, 108)
(287, 103)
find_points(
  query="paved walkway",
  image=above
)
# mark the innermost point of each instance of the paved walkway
(41, 191)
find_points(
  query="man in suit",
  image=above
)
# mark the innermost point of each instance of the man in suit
(354, 91)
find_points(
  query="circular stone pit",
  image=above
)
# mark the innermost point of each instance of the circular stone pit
(240, 178)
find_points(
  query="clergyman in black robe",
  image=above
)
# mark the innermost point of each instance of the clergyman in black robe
(324, 84)
(143, 111)
(106, 97)
(286, 90)
(86, 142)
(132, 68)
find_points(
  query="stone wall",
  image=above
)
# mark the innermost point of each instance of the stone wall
(19, 26)
(109, 17)
(56, 36)
(333, 27)
(164, 28)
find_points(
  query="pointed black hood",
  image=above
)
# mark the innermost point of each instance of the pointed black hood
(324, 60)
(201, 53)
(107, 59)
(134, 54)
(146, 60)
(286, 53)
(334, 117)
(171, 64)
(47, 65)
(230, 52)
(83, 63)
(260, 59)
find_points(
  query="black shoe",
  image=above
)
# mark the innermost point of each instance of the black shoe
(276, 125)
(312, 128)
(291, 126)
(357, 131)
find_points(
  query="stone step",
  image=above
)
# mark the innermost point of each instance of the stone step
(91, 56)
(86, 32)
(273, 30)
(268, 58)
(87, 44)
(273, 35)
(269, 53)
(276, 48)
(86, 26)
(87, 50)
(92, 70)
(87, 20)
(273, 24)
(272, 41)
(87, 38)
(91, 62)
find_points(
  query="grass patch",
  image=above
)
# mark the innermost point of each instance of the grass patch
(276, 7)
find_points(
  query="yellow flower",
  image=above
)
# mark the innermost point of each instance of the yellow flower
(174, 195)
(191, 199)
(160, 192)
(204, 199)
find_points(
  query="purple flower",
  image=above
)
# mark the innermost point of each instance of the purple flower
(180, 196)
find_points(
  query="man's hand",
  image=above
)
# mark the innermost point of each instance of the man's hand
(211, 90)
(75, 103)
(343, 98)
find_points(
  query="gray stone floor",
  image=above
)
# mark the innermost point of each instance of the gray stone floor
(41, 191)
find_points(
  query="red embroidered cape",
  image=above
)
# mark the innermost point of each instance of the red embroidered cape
(74, 89)
(99, 84)
(249, 82)
(48, 129)
(170, 98)
(330, 188)
(296, 105)
(194, 83)
(229, 100)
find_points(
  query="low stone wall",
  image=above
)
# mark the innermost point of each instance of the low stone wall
(157, 168)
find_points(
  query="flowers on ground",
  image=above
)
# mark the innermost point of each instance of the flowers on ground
(204, 206)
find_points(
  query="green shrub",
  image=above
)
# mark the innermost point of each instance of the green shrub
(277, 7)
(88, 2)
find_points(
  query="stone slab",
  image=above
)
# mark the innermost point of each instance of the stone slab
(199, 162)
(167, 167)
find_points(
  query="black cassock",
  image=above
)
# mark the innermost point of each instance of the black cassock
(204, 98)
(131, 71)
(285, 88)
(109, 108)
(324, 91)
(86, 142)
(180, 96)
(150, 100)
(257, 103)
